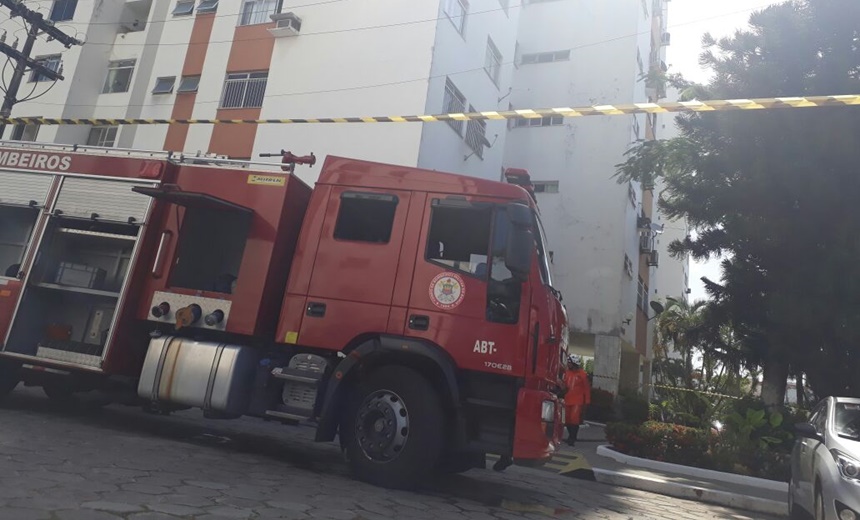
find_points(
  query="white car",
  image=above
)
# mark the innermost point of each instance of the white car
(825, 463)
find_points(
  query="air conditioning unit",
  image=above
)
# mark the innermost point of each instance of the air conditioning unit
(646, 243)
(653, 259)
(286, 24)
(666, 39)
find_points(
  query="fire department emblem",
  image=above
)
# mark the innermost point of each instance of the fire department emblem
(447, 290)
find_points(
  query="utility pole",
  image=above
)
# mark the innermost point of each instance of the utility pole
(37, 26)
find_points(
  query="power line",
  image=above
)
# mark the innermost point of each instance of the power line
(414, 80)
(37, 26)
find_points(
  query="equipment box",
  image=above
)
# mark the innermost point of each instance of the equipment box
(78, 275)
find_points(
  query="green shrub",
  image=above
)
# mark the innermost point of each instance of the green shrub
(602, 407)
(635, 409)
(654, 412)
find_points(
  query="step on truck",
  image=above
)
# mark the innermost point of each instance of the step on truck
(407, 313)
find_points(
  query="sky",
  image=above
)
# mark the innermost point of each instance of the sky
(688, 21)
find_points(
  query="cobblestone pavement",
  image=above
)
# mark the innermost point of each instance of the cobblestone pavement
(118, 462)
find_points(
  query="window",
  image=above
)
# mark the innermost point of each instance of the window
(456, 11)
(207, 6)
(25, 132)
(848, 420)
(545, 57)
(636, 128)
(540, 121)
(545, 186)
(207, 261)
(631, 194)
(183, 8)
(119, 76)
(493, 61)
(188, 84)
(628, 266)
(164, 85)
(542, 251)
(504, 292)
(244, 90)
(49, 62)
(639, 61)
(645, 8)
(819, 417)
(63, 10)
(476, 138)
(17, 225)
(102, 136)
(459, 237)
(505, 5)
(258, 11)
(454, 103)
(642, 297)
(365, 217)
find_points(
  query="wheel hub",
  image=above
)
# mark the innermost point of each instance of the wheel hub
(382, 426)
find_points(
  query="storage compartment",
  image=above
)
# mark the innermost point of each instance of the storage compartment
(16, 228)
(216, 377)
(73, 290)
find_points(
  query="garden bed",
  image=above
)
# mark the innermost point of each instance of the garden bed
(708, 450)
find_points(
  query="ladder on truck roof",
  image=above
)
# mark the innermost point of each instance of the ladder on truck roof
(197, 158)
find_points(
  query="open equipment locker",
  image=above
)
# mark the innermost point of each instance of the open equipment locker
(89, 239)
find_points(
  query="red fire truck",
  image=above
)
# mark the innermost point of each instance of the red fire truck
(406, 312)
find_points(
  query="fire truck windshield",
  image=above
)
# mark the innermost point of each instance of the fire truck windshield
(543, 254)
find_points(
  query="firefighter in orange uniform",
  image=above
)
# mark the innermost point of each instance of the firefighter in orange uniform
(577, 397)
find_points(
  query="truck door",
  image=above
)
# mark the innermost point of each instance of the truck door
(351, 286)
(22, 196)
(463, 297)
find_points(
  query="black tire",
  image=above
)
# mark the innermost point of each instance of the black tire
(10, 376)
(394, 429)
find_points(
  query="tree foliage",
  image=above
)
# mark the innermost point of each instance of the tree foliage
(774, 193)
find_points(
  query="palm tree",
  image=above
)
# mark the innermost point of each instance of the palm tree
(679, 329)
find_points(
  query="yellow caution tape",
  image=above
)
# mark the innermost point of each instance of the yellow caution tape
(692, 391)
(721, 105)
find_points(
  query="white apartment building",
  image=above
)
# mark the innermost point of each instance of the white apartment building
(575, 53)
(240, 59)
(250, 59)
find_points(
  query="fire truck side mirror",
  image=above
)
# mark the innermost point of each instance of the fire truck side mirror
(521, 243)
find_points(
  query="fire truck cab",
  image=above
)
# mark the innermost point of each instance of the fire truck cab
(408, 313)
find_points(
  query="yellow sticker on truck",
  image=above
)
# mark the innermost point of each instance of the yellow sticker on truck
(267, 180)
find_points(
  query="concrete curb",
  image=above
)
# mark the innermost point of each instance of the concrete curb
(664, 487)
(688, 471)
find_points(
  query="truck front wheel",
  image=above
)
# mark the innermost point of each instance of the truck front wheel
(394, 429)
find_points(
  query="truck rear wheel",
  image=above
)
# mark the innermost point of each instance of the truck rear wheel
(394, 429)
(10, 376)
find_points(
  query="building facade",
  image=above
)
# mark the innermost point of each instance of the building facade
(272, 59)
(241, 59)
(604, 234)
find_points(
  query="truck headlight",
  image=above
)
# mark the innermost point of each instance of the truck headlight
(849, 467)
(547, 411)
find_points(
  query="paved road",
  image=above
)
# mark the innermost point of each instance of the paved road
(57, 464)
